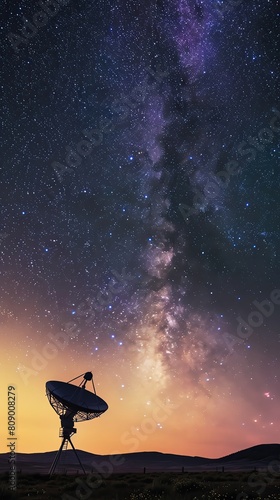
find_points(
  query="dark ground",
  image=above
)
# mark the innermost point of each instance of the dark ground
(131, 486)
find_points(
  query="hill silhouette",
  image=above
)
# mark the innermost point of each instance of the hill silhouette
(258, 457)
(259, 452)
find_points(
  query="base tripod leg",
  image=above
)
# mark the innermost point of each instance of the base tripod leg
(76, 455)
(54, 464)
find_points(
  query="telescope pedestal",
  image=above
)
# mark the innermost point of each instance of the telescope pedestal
(57, 457)
(67, 431)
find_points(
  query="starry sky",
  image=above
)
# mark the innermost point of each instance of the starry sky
(139, 230)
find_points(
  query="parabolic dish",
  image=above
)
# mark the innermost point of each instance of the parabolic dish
(76, 399)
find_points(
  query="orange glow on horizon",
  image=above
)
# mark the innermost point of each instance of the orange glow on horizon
(142, 416)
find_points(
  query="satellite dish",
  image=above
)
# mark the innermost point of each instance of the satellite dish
(73, 403)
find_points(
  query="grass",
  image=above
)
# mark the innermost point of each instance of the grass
(149, 486)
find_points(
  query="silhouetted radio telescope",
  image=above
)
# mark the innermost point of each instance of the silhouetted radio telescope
(73, 404)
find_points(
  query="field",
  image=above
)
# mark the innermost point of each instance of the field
(157, 486)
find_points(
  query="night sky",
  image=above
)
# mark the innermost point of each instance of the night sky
(140, 220)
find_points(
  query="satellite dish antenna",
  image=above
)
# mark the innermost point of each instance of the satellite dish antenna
(73, 404)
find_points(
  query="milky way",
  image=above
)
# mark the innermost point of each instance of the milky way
(120, 216)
